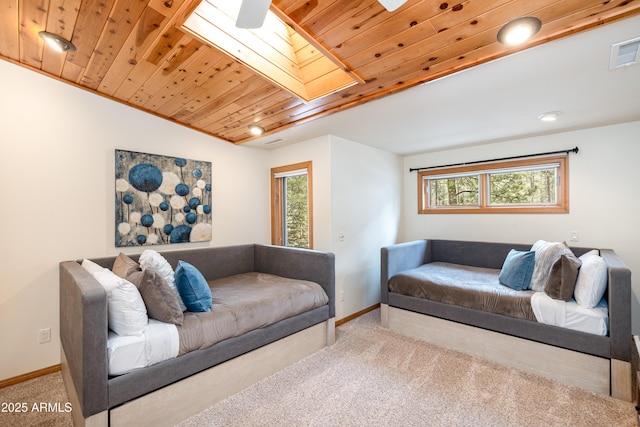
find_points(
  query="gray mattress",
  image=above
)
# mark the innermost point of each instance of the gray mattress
(244, 302)
(471, 287)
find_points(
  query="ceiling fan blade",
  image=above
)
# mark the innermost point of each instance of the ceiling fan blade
(252, 13)
(392, 5)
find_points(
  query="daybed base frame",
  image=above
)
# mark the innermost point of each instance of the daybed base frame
(176, 402)
(596, 374)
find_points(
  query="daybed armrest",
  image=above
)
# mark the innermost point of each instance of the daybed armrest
(83, 335)
(303, 264)
(619, 300)
(401, 257)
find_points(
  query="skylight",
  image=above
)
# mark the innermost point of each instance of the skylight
(275, 50)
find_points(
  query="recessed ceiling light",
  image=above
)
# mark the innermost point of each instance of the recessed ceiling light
(57, 42)
(550, 116)
(256, 130)
(519, 30)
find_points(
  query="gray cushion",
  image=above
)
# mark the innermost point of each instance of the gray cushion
(123, 266)
(562, 280)
(162, 303)
(547, 253)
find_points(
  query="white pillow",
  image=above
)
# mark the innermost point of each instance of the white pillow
(126, 310)
(91, 266)
(592, 280)
(152, 259)
(547, 253)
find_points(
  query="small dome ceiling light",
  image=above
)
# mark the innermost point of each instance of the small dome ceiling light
(519, 30)
(57, 42)
(256, 130)
(550, 116)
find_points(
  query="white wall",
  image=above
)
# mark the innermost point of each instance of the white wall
(604, 202)
(357, 190)
(366, 195)
(57, 150)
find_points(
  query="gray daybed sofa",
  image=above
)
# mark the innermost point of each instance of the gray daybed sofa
(597, 363)
(174, 389)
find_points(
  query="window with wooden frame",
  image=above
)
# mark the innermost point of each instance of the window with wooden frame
(291, 206)
(537, 185)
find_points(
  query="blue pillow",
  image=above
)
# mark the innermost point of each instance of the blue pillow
(517, 269)
(193, 288)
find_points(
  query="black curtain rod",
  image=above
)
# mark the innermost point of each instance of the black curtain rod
(573, 150)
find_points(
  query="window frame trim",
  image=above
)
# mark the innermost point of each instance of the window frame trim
(276, 201)
(561, 206)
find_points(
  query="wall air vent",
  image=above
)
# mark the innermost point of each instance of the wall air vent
(273, 141)
(624, 54)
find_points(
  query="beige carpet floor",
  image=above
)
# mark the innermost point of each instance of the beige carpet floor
(376, 377)
(43, 398)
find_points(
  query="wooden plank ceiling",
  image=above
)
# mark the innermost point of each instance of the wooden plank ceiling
(134, 52)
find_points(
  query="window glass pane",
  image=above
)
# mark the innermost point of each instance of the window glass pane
(532, 187)
(522, 186)
(454, 191)
(296, 212)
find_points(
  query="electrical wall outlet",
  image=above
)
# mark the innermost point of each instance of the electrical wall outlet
(44, 335)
